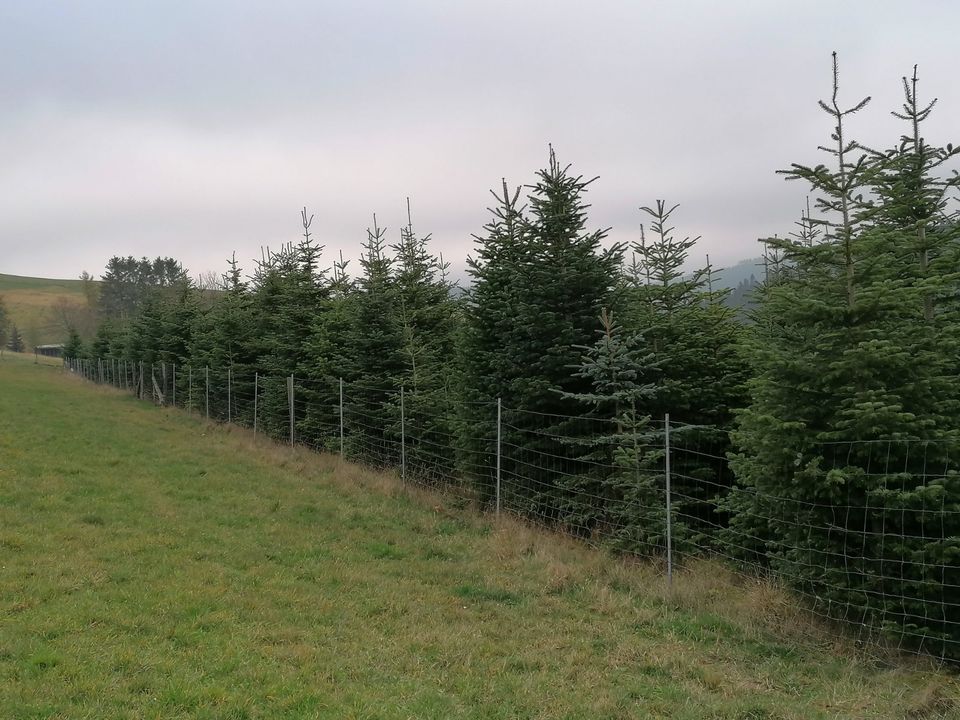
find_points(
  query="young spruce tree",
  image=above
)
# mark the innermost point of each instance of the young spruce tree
(847, 452)
(694, 338)
(619, 496)
(564, 278)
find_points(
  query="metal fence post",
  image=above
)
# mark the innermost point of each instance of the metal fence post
(174, 384)
(666, 446)
(256, 382)
(206, 381)
(341, 418)
(403, 439)
(230, 394)
(290, 397)
(189, 388)
(499, 408)
(140, 392)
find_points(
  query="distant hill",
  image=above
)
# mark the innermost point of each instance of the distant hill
(41, 307)
(732, 276)
(741, 278)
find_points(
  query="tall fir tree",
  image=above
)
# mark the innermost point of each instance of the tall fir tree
(565, 277)
(290, 291)
(695, 340)
(222, 337)
(372, 359)
(492, 306)
(426, 315)
(854, 401)
(327, 359)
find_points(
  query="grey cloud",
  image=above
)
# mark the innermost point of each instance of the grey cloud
(194, 129)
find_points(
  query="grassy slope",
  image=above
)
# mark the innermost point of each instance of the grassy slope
(155, 566)
(29, 301)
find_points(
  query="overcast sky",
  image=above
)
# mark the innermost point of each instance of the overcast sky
(194, 129)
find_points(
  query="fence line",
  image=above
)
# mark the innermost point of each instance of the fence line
(883, 558)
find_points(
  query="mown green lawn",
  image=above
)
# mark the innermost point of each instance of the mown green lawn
(154, 566)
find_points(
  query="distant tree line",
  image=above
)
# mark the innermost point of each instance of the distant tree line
(853, 336)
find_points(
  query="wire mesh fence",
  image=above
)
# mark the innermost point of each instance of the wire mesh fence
(878, 550)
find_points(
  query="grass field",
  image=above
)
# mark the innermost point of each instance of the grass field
(30, 302)
(155, 566)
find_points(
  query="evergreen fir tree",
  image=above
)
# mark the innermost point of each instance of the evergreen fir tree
(492, 307)
(103, 341)
(694, 337)
(372, 357)
(222, 338)
(855, 349)
(15, 343)
(290, 291)
(73, 349)
(620, 496)
(327, 357)
(426, 316)
(565, 277)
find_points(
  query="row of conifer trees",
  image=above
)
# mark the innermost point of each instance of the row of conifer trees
(834, 408)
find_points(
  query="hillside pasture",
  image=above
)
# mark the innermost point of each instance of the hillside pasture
(33, 306)
(158, 566)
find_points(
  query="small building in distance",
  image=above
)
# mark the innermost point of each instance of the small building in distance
(49, 350)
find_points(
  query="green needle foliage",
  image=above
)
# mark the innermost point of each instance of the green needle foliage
(848, 450)
(290, 291)
(74, 349)
(568, 278)
(426, 315)
(619, 497)
(490, 316)
(15, 342)
(374, 358)
(694, 338)
(223, 338)
(540, 279)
